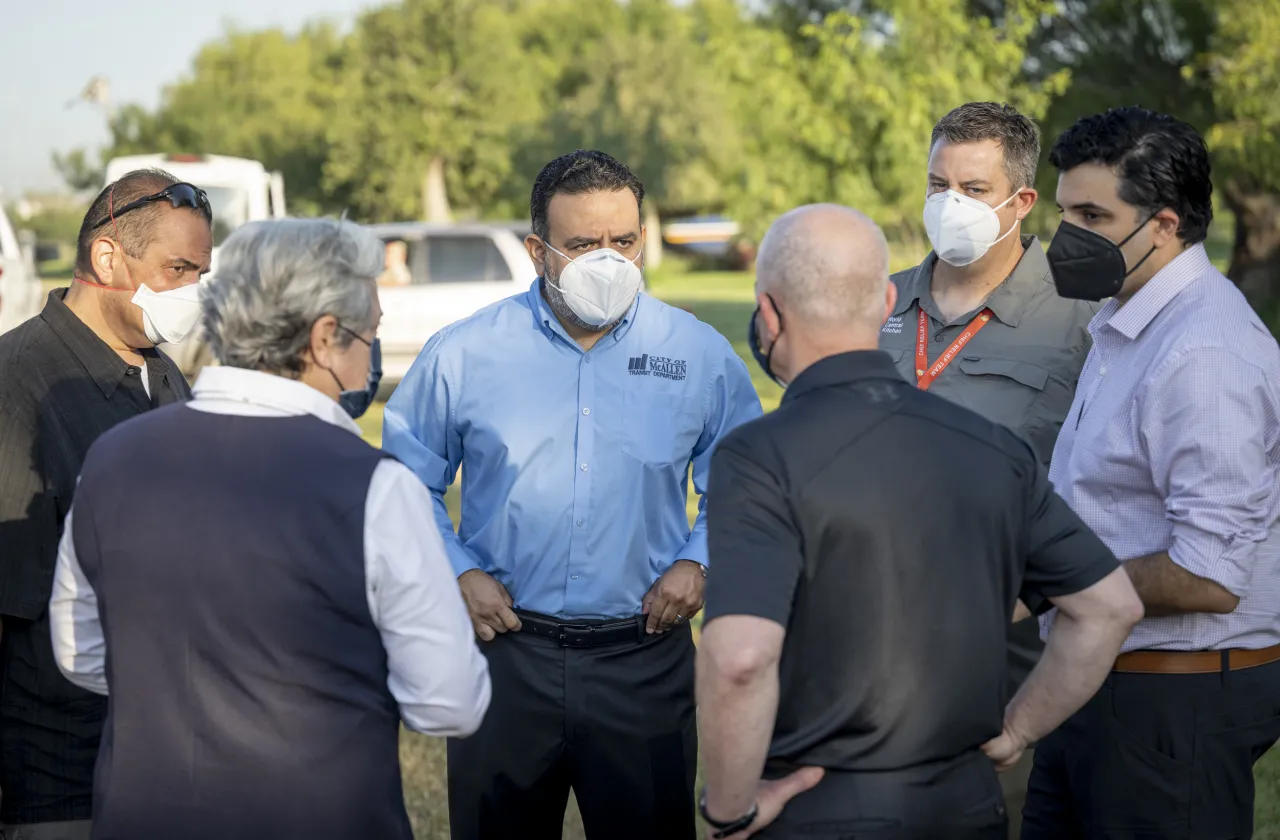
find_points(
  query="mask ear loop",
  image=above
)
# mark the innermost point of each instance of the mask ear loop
(1016, 222)
(1131, 236)
(115, 227)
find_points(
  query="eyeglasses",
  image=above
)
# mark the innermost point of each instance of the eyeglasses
(357, 336)
(178, 195)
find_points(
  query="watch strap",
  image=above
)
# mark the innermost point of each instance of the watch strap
(727, 829)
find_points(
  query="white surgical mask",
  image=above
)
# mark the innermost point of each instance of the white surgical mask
(169, 317)
(599, 286)
(962, 229)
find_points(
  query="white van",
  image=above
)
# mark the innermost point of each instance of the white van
(20, 289)
(240, 191)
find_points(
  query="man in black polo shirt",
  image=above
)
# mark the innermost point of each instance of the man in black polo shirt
(86, 363)
(870, 540)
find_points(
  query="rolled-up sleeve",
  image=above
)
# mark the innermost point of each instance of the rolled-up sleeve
(1204, 420)
(731, 401)
(418, 428)
(436, 672)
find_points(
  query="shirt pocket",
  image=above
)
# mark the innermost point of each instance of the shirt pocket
(660, 428)
(1017, 388)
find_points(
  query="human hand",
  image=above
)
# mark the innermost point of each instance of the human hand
(675, 595)
(772, 797)
(1005, 749)
(488, 603)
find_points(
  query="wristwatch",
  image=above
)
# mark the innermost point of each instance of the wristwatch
(727, 829)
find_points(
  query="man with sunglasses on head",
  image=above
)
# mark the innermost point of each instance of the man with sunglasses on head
(86, 363)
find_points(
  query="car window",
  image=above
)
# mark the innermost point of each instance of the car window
(457, 259)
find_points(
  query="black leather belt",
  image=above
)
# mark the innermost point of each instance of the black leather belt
(582, 634)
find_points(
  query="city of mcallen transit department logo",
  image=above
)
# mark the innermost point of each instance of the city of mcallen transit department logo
(647, 365)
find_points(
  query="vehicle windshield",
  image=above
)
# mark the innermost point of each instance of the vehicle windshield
(230, 210)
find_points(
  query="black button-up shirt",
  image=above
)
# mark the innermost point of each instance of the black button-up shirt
(890, 532)
(60, 388)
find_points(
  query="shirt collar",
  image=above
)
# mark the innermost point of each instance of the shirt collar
(102, 363)
(550, 324)
(842, 368)
(1131, 318)
(287, 396)
(1008, 301)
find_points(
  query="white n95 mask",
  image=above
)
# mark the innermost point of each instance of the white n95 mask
(169, 317)
(962, 229)
(599, 286)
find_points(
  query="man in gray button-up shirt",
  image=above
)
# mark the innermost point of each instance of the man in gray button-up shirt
(979, 321)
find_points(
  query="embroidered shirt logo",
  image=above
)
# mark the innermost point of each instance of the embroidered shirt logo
(893, 326)
(661, 366)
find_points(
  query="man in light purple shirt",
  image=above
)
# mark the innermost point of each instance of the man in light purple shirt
(1171, 454)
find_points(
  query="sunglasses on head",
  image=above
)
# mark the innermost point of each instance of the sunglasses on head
(178, 195)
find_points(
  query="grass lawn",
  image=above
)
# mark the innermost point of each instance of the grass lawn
(725, 302)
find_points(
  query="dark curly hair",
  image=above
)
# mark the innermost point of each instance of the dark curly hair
(1160, 161)
(576, 173)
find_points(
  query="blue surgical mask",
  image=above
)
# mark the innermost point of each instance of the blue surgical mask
(356, 403)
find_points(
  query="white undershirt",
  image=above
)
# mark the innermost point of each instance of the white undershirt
(437, 674)
(146, 383)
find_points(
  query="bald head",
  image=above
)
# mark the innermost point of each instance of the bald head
(827, 264)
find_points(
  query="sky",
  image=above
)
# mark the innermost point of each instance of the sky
(50, 49)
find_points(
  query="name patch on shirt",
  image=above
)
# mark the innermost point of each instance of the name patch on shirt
(662, 366)
(893, 325)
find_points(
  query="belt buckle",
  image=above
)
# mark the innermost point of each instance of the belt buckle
(576, 635)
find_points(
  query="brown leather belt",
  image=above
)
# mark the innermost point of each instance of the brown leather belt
(1194, 662)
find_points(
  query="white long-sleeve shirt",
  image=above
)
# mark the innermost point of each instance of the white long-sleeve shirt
(437, 674)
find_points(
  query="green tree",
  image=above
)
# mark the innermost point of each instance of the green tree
(77, 171)
(1243, 72)
(261, 95)
(632, 80)
(845, 113)
(1209, 62)
(431, 84)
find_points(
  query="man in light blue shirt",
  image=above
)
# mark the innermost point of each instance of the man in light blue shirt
(577, 409)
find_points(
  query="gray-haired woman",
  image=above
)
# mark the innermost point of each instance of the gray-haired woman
(274, 606)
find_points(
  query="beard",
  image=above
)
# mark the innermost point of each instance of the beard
(555, 299)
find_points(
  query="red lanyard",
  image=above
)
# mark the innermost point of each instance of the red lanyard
(925, 374)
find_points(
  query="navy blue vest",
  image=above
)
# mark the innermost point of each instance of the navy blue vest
(248, 682)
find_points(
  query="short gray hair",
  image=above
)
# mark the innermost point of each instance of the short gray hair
(275, 279)
(1017, 134)
(828, 264)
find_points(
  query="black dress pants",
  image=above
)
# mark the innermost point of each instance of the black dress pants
(1167, 756)
(617, 724)
(960, 799)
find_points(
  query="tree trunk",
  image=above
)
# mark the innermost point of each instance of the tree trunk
(435, 197)
(652, 236)
(1255, 258)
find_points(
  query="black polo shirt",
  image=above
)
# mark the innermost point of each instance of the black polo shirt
(890, 532)
(60, 388)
